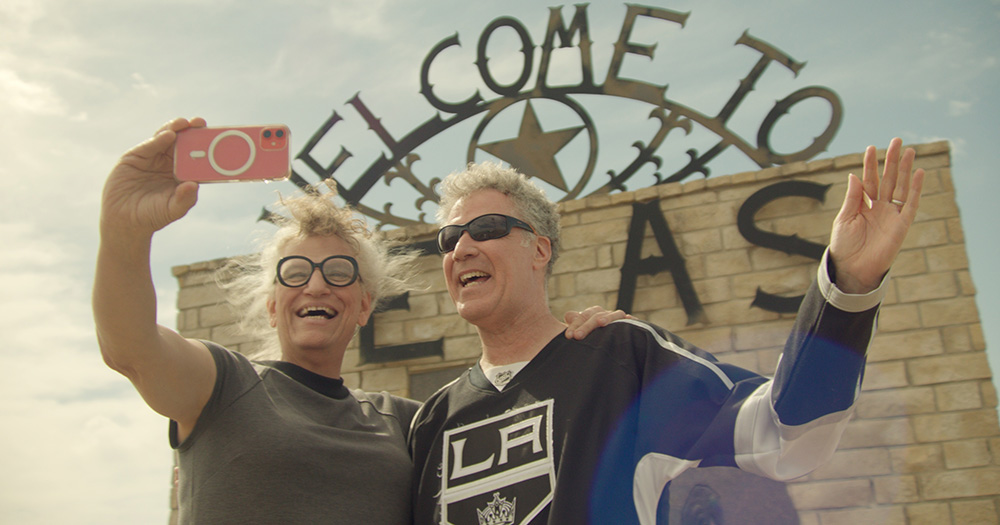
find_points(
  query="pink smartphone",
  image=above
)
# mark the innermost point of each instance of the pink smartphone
(233, 154)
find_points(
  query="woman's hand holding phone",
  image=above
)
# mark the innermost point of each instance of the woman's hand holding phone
(156, 182)
(141, 194)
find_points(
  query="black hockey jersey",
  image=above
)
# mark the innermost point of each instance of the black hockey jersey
(592, 431)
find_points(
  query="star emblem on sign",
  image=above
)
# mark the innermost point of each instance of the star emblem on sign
(533, 151)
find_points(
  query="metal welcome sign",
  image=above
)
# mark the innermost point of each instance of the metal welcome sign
(533, 151)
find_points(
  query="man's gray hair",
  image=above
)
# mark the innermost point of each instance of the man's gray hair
(530, 202)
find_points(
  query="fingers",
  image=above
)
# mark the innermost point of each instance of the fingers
(577, 319)
(603, 317)
(582, 323)
(895, 182)
(890, 171)
(165, 136)
(174, 125)
(163, 140)
(902, 189)
(179, 124)
(909, 210)
(869, 174)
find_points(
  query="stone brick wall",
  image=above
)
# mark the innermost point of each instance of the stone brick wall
(924, 445)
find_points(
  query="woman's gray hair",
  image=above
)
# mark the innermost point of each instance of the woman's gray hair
(385, 270)
(530, 202)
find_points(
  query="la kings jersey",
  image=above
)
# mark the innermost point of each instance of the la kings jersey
(592, 431)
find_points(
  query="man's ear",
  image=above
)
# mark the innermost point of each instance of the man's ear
(543, 252)
(366, 308)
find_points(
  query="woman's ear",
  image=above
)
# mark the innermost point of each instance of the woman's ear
(366, 308)
(272, 311)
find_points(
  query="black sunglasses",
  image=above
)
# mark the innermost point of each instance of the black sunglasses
(482, 228)
(337, 270)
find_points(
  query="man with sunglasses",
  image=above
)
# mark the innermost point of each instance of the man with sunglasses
(545, 429)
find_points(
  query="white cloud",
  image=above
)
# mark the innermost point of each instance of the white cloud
(46, 312)
(139, 83)
(16, 16)
(365, 19)
(29, 97)
(79, 425)
(956, 145)
(53, 464)
(957, 108)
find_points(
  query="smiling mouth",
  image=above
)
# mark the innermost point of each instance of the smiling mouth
(473, 278)
(317, 311)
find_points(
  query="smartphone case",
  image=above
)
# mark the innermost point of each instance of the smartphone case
(233, 154)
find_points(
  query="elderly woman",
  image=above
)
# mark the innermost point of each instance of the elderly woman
(262, 441)
(271, 441)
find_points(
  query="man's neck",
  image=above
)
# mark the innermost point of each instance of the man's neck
(520, 340)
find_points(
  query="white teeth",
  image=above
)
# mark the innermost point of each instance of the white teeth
(308, 310)
(472, 278)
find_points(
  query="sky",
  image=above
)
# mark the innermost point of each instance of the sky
(81, 82)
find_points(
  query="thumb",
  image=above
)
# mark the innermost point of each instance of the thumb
(184, 198)
(852, 199)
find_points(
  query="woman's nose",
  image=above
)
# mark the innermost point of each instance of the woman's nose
(316, 283)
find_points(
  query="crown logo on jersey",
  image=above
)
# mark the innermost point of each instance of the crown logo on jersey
(498, 512)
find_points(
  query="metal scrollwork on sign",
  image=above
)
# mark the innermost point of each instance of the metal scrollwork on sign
(533, 150)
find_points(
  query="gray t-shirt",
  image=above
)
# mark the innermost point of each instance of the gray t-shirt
(267, 448)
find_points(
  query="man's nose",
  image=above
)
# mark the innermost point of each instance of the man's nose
(465, 246)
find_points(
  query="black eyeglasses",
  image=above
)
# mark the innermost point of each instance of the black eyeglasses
(482, 228)
(337, 270)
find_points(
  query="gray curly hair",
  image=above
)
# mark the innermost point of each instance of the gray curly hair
(529, 200)
(385, 270)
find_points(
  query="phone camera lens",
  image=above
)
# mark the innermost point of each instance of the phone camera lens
(267, 134)
(279, 133)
